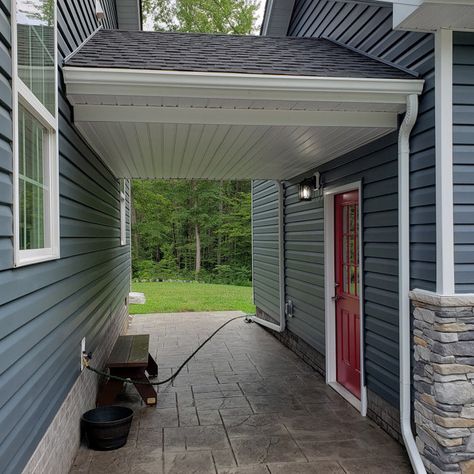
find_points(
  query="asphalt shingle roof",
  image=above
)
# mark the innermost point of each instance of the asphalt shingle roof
(228, 54)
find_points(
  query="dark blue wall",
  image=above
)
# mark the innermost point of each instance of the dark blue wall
(46, 309)
(368, 28)
(463, 117)
(375, 165)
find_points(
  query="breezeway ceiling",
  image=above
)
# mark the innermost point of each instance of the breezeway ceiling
(156, 123)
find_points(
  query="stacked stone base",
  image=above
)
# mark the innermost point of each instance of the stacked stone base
(379, 410)
(56, 451)
(444, 381)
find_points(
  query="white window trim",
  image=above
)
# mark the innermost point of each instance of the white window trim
(123, 216)
(22, 94)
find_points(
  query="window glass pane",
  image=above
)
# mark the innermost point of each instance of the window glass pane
(33, 182)
(35, 31)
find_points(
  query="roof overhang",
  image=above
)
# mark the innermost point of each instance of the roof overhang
(175, 124)
(432, 15)
(410, 15)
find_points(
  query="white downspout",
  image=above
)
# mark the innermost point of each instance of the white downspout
(281, 264)
(404, 282)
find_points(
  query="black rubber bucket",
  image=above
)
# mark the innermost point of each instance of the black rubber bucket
(107, 427)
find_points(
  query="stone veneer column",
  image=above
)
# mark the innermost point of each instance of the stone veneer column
(443, 334)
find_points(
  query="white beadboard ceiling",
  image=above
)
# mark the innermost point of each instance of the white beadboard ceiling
(156, 133)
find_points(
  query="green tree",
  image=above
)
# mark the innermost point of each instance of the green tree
(202, 16)
(42, 12)
(189, 228)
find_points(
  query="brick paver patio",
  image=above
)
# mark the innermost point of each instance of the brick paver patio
(244, 405)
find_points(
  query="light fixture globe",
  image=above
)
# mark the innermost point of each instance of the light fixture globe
(306, 190)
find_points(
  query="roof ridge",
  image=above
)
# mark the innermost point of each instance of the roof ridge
(198, 33)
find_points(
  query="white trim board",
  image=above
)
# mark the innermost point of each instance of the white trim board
(445, 281)
(252, 117)
(330, 313)
(109, 81)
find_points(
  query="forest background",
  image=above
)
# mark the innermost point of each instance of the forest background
(194, 229)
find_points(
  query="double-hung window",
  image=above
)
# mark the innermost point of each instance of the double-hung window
(35, 142)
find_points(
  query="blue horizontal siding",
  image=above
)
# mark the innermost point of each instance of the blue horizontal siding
(265, 249)
(463, 158)
(46, 309)
(368, 28)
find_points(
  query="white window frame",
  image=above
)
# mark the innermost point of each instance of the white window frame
(24, 96)
(123, 213)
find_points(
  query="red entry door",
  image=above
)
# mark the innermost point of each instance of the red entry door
(347, 292)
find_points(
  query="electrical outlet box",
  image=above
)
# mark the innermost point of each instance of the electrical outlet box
(83, 349)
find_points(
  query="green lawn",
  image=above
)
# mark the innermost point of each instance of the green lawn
(180, 297)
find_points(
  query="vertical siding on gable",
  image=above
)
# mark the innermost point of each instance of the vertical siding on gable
(463, 171)
(265, 247)
(46, 309)
(368, 28)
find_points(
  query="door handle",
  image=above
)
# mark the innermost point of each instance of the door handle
(336, 298)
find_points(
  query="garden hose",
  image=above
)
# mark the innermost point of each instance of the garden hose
(86, 359)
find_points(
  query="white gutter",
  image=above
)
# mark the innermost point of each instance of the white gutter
(281, 268)
(157, 83)
(404, 282)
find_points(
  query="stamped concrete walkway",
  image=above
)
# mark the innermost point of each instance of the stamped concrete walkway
(244, 405)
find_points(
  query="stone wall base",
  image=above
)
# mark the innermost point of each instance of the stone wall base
(379, 410)
(56, 451)
(443, 334)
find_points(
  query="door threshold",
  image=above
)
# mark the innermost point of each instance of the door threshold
(348, 396)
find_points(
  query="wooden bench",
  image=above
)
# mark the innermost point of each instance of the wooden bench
(130, 358)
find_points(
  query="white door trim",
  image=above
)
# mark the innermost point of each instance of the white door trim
(330, 307)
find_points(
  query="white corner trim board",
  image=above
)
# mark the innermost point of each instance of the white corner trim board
(404, 282)
(281, 264)
(444, 162)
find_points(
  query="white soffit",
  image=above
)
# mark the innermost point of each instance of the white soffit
(432, 15)
(163, 124)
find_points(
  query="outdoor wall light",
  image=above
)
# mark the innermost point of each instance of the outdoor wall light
(309, 187)
(306, 190)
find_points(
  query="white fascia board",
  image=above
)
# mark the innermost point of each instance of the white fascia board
(245, 117)
(107, 81)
